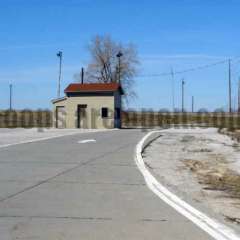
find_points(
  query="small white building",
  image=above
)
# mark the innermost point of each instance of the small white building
(89, 105)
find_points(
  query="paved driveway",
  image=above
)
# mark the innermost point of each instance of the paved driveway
(61, 189)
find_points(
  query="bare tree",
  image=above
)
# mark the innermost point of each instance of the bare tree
(105, 66)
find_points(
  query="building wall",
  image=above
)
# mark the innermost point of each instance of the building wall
(61, 103)
(93, 111)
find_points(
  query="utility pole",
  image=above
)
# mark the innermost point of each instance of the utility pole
(183, 83)
(173, 90)
(192, 104)
(10, 97)
(234, 103)
(119, 55)
(239, 95)
(59, 54)
(229, 85)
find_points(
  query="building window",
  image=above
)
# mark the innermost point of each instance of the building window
(104, 112)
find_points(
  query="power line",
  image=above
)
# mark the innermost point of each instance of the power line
(185, 70)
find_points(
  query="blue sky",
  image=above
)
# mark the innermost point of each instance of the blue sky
(178, 34)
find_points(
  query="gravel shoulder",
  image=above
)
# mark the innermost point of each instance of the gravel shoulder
(201, 166)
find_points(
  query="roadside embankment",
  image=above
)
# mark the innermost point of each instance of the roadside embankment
(199, 164)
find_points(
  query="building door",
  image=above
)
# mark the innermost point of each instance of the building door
(60, 117)
(82, 116)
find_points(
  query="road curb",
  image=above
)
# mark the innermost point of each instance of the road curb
(215, 229)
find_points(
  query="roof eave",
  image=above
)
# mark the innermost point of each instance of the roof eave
(94, 91)
(58, 99)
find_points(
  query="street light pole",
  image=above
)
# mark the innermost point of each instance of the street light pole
(119, 55)
(59, 54)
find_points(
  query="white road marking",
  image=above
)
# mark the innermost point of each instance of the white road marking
(51, 137)
(35, 140)
(87, 141)
(217, 230)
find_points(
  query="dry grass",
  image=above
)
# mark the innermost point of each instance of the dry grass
(232, 219)
(227, 181)
(194, 165)
(217, 177)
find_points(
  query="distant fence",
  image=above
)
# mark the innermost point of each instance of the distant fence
(165, 119)
(25, 119)
(130, 119)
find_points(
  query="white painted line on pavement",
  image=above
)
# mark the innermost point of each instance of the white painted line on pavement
(87, 141)
(51, 137)
(35, 140)
(217, 230)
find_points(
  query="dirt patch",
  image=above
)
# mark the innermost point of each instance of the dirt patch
(187, 139)
(200, 150)
(201, 165)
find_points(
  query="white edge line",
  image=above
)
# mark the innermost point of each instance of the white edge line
(87, 141)
(217, 230)
(51, 137)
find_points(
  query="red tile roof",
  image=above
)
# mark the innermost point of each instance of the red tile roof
(93, 87)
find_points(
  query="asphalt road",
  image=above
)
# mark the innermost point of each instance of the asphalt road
(61, 189)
